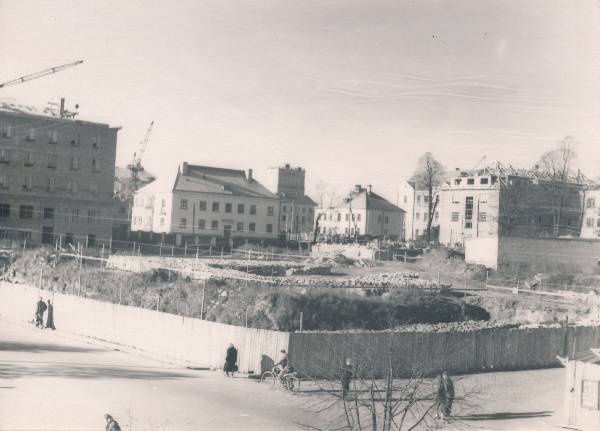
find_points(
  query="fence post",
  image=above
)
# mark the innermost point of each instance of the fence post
(221, 252)
(301, 320)
(157, 302)
(120, 293)
(173, 250)
(196, 252)
(202, 303)
(185, 250)
(41, 275)
(439, 280)
(487, 273)
(210, 250)
(134, 248)
(79, 284)
(465, 278)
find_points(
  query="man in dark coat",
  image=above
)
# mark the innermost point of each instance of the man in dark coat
(445, 395)
(39, 313)
(50, 318)
(230, 360)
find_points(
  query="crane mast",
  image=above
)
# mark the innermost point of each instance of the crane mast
(40, 74)
(136, 164)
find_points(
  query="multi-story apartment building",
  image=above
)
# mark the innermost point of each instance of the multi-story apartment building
(297, 209)
(591, 216)
(363, 213)
(415, 203)
(504, 201)
(201, 204)
(56, 178)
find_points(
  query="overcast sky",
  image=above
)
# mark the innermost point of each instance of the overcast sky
(353, 91)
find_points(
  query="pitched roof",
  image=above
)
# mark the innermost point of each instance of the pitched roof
(298, 200)
(501, 169)
(370, 201)
(206, 179)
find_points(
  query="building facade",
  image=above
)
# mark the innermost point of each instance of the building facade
(56, 179)
(297, 209)
(591, 217)
(203, 204)
(505, 201)
(415, 203)
(363, 213)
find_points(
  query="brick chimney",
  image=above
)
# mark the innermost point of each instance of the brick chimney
(357, 188)
(184, 168)
(250, 175)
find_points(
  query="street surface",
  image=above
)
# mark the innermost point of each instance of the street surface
(54, 381)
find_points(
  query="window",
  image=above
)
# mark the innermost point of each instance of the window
(589, 222)
(482, 217)
(252, 209)
(51, 185)
(437, 216)
(76, 140)
(358, 217)
(28, 183)
(283, 217)
(484, 181)
(470, 181)
(183, 222)
(28, 158)
(96, 142)
(598, 223)
(426, 199)
(74, 163)
(52, 161)
(202, 206)
(52, 137)
(353, 217)
(455, 216)
(405, 199)
(91, 240)
(346, 231)
(95, 165)
(93, 216)
(240, 227)
(75, 215)
(4, 155)
(228, 207)
(252, 227)
(183, 204)
(201, 224)
(4, 210)
(386, 220)
(269, 228)
(48, 213)
(4, 182)
(270, 211)
(457, 182)
(283, 208)
(25, 234)
(215, 207)
(339, 217)
(469, 212)
(379, 218)
(7, 131)
(303, 219)
(418, 199)
(416, 232)
(30, 135)
(73, 186)
(417, 216)
(214, 224)
(93, 187)
(590, 203)
(26, 211)
(241, 209)
(347, 217)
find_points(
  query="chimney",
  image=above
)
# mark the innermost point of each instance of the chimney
(287, 165)
(369, 188)
(357, 188)
(457, 169)
(62, 107)
(249, 174)
(184, 169)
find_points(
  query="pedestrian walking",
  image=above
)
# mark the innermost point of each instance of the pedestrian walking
(50, 318)
(445, 395)
(111, 424)
(39, 313)
(347, 375)
(230, 360)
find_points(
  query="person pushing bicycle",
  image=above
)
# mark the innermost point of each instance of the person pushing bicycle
(281, 368)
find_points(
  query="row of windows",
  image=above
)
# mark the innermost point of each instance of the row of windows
(51, 136)
(590, 222)
(285, 208)
(471, 181)
(90, 239)
(303, 219)
(455, 217)
(426, 216)
(350, 231)
(28, 184)
(338, 217)
(590, 203)
(48, 213)
(52, 160)
(214, 224)
(227, 207)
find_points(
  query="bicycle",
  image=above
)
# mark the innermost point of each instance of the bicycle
(290, 381)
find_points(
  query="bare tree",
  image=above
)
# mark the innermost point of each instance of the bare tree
(556, 164)
(429, 175)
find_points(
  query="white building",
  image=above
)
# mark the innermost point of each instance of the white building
(416, 205)
(201, 204)
(363, 213)
(591, 216)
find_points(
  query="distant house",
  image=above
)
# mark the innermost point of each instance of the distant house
(581, 408)
(415, 203)
(362, 213)
(201, 204)
(590, 227)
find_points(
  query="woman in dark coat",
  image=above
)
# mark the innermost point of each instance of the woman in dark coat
(50, 319)
(230, 360)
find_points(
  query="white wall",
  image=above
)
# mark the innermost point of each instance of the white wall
(180, 339)
(482, 251)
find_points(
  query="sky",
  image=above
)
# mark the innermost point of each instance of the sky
(353, 91)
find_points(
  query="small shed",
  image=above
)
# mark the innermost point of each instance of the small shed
(581, 408)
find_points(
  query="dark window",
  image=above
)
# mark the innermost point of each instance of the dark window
(183, 204)
(26, 211)
(202, 205)
(240, 227)
(91, 240)
(201, 224)
(252, 227)
(215, 207)
(48, 213)
(270, 211)
(471, 181)
(241, 209)
(214, 224)
(252, 209)
(183, 222)
(269, 228)
(68, 238)
(483, 180)
(228, 207)
(387, 219)
(469, 212)
(4, 210)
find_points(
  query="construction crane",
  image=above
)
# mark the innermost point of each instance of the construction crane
(41, 74)
(136, 164)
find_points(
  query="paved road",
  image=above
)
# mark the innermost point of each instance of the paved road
(52, 381)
